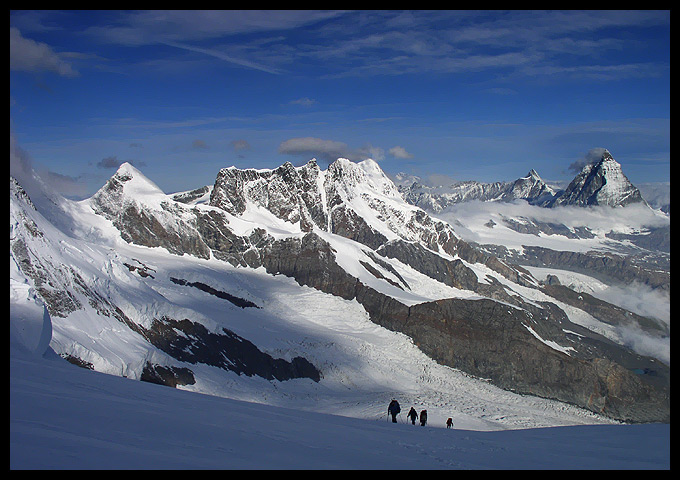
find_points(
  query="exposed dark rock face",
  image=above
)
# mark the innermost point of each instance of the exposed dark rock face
(600, 265)
(192, 196)
(346, 223)
(453, 273)
(289, 193)
(311, 261)
(142, 226)
(49, 279)
(658, 239)
(604, 311)
(224, 350)
(170, 376)
(78, 362)
(239, 302)
(491, 340)
(535, 227)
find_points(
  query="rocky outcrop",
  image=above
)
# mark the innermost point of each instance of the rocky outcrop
(509, 346)
(170, 376)
(599, 265)
(604, 311)
(191, 342)
(536, 227)
(238, 301)
(655, 239)
(290, 193)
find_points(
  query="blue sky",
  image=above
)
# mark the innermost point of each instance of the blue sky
(473, 95)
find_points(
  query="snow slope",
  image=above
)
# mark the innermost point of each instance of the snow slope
(483, 222)
(64, 417)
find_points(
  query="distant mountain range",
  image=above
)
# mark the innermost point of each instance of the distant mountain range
(600, 183)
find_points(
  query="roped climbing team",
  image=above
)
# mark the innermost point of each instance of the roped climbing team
(393, 410)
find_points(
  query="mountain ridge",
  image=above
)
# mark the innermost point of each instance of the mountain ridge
(347, 232)
(599, 183)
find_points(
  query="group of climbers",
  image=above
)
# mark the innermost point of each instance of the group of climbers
(393, 409)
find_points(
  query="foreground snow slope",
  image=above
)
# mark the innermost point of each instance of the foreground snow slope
(64, 417)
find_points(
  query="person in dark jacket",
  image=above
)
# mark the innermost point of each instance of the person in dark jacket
(394, 410)
(449, 422)
(412, 415)
(423, 417)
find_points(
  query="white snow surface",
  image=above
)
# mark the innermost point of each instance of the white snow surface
(65, 417)
(482, 222)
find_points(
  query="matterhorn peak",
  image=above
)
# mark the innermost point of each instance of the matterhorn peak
(601, 183)
(607, 156)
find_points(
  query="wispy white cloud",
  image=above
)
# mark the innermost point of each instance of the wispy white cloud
(31, 56)
(304, 101)
(329, 150)
(223, 56)
(189, 30)
(148, 27)
(525, 43)
(399, 152)
(543, 44)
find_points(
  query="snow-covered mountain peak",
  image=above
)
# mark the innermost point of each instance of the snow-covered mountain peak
(354, 200)
(533, 174)
(128, 189)
(133, 182)
(531, 188)
(362, 177)
(601, 183)
(598, 183)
